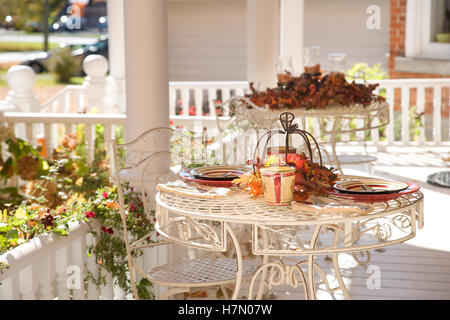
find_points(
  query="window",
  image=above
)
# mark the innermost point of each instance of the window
(428, 29)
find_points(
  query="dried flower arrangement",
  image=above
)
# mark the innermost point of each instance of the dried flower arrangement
(312, 90)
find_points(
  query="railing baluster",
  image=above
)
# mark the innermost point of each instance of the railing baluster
(315, 127)
(9, 289)
(225, 97)
(375, 135)
(61, 264)
(106, 292)
(185, 101)
(119, 293)
(235, 150)
(345, 123)
(76, 101)
(172, 100)
(246, 138)
(198, 95)
(90, 142)
(109, 134)
(224, 152)
(360, 135)
(437, 105)
(93, 292)
(29, 132)
(78, 254)
(67, 103)
(67, 128)
(27, 283)
(212, 96)
(240, 92)
(83, 104)
(63, 103)
(46, 290)
(48, 138)
(390, 137)
(405, 115)
(420, 110)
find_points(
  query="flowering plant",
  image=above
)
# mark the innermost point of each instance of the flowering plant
(109, 249)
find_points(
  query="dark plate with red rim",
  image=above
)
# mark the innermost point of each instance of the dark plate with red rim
(188, 177)
(219, 173)
(370, 186)
(412, 187)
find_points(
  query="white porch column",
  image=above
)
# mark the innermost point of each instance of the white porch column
(116, 44)
(291, 31)
(263, 31)
(146, 56)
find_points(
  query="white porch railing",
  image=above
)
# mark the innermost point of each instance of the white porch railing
(54, 267)
(202, 95)
(71, 99)
(54, 125)
(427, 99)
(431, 93)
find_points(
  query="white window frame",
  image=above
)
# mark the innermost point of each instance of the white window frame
(418, 30)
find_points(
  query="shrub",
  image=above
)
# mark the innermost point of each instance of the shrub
(65, 65)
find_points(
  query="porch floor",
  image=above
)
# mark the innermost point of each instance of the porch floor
(418, 269)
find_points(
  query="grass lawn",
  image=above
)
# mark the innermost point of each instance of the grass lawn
(45, 79)
(24, 46)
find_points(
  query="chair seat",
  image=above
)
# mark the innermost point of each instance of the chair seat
(440, 179)
(199, 272)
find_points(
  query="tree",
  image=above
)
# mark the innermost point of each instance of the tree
(27, 11)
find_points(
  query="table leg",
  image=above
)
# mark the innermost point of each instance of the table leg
(238, 251)
(311, 279)
(265, 260)
(337, 272)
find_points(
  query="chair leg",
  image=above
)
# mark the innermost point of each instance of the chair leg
(130, 260)
(224, 291)
(132, 277)
(172, 291)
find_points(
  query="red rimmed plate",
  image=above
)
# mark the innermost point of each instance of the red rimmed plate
(187, 176)
(370, 186)
(412, 187)
(219, 173)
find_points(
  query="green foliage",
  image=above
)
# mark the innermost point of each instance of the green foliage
(23, 46)
(3, 266)
(84, 192)
(25, 222)
(64, 65)
(366, 72)
(18, 148)
(110, 250)
(26, 11)
(144, 289)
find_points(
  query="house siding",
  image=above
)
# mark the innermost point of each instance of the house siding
(207, 39)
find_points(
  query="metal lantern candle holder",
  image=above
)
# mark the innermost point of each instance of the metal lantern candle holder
(289, 128)
(278, 182)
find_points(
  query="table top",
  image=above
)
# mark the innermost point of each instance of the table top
(239, 207)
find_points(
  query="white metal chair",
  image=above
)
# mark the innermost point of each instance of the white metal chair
(147, 161)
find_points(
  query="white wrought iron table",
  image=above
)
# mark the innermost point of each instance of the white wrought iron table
(283, 232)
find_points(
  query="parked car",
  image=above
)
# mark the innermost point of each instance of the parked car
(39, 61)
